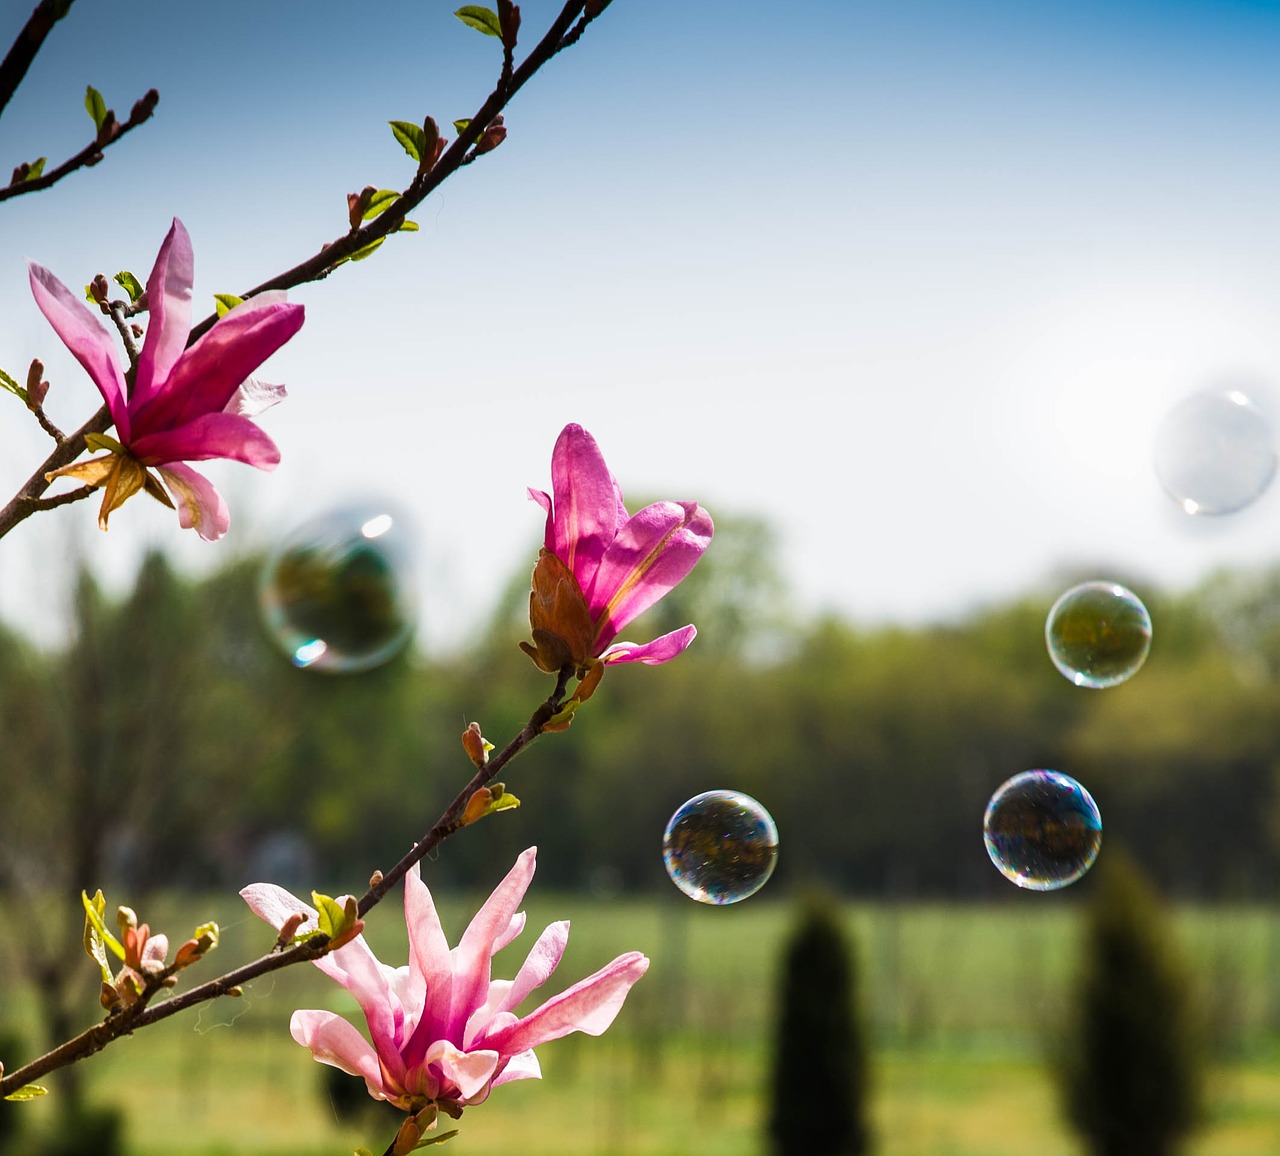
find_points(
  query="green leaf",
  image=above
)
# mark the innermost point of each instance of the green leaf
(410, 137)
(29, 1092)
(35, 169)
(7, 382)
(130, 284)
(462, 125)
(97, 441)
(332, 919)
(95, 106)
(96, 936)
(408, 227)
(434, 1139)
(367, 251)
(481, 19)
(225, 302)
(379, 203)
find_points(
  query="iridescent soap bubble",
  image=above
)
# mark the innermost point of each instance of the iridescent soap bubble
(720, 847)
(1215, 452)
(336, 594)
(1042, 830)
(1098, 634)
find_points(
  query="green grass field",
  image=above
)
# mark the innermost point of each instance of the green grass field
(961, 1002)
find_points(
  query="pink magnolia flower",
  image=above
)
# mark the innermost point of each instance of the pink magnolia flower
(442, 1030)
(183, 405)
(600, 567)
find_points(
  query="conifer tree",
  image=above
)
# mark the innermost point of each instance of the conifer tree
(819, 1074)
(1130, 1073)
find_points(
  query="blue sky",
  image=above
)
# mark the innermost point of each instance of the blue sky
(916, 281)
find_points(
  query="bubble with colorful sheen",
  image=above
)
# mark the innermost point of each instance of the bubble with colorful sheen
(1098, 634)
(1042, 830)
(720, 847)
(336, 593)
(1215, 452)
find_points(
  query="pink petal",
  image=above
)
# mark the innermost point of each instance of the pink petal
(544, 500)
(507, 995)
(651, 555)
(512, 930)
(475, 949)
(200, 506)
(431, 965)
(253, 396)
(334, 1041)
(215, 435)
(155, 951)
(542, 960)
(588, 1006)
(207, 375)
(525, 1066)
(586, 504)
(353, 965)
(653, 653)
(275, 905)
(87, 339)
(469, 1071)
(169, 313)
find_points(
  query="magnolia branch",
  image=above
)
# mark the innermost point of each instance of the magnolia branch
(564, 30)
(91, 154)
(143, 1012)
(27, 44)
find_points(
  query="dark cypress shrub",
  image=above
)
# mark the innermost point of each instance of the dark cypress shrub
(1130, 1068)
(818, 1082)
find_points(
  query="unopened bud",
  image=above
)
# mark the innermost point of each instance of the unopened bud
(136, 329)
(37, 387)
(235, 992)
(144, 106)
(375, 879)
(289, 928)
(100, 290)
(126, 917)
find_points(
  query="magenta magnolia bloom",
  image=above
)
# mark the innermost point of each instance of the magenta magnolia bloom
(622, 564)
(185, 405)
(442, 1031)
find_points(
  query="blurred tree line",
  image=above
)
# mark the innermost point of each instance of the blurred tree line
(169, 744)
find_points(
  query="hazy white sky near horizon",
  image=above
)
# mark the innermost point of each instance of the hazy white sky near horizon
(916, 281)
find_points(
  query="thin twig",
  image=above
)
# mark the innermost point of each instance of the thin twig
(143, 1013)
(119, 311)
(66, 499)
(91, 154)
(28, 42)
(45, 424)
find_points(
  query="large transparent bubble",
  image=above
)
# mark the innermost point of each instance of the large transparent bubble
(720, 847)
(336, 593)
(1098, 634)
(1215, 452)
(1042, 830)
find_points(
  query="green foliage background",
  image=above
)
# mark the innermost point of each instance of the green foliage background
(168, 742)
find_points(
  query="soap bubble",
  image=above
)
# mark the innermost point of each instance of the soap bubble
(1042, 830)
(336, 593)
(1215, 452)
(1098, 634)
(720, 847)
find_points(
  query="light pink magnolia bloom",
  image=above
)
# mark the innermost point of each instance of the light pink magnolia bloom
(185, 405)
(622, 563)
(442, 1029)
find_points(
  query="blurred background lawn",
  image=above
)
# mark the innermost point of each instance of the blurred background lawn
(963, 1004)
